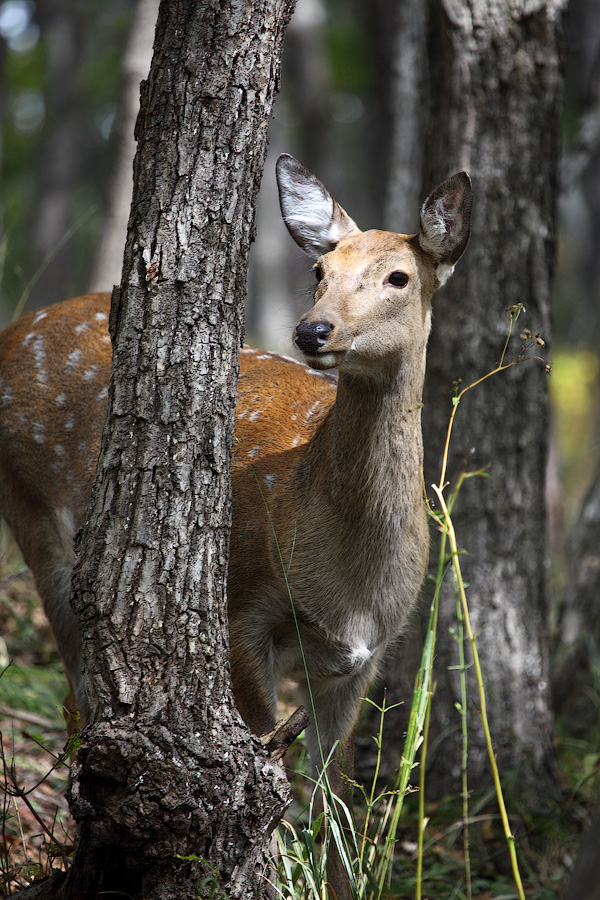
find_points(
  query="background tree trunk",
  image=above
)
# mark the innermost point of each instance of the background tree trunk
(61, 155)
(492, 108)
(578, 633)
(167, 768)
(108, 260)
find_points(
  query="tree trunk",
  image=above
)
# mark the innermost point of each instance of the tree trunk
(578, 634)
(108, 259)
(494, 101)
(584, 883)
(60, 154)
(171, 792)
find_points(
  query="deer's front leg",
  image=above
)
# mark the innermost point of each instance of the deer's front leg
(337, 705)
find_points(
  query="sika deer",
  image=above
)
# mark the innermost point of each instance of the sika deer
(336, 462)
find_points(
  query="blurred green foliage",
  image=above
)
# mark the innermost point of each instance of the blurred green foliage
(575, 395)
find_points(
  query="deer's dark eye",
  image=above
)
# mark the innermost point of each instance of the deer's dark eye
(316, 270)
(398, 279)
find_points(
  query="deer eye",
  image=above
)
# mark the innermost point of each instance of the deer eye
(316, 270)
(398, 279)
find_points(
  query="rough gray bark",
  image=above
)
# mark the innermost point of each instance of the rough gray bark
(494, 100)
(167, 769)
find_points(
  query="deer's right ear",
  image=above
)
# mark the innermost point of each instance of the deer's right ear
(314, 219)
(446, 223)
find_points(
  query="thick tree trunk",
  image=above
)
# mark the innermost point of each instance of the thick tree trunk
(495, 87)
(171, 789)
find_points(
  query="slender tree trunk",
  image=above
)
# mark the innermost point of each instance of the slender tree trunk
(108, 260)
(171, 791)
(61, 150)
(494, 100)
(578, 637)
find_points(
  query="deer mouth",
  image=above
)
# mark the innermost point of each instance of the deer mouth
(324, 359)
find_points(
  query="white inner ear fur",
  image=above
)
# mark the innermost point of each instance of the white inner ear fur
(443, 272)
(439, 223)
(306, 204)
(311, 214)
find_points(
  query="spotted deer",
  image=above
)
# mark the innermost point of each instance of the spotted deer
(327, 496)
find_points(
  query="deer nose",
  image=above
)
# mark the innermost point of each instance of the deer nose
(312, 336)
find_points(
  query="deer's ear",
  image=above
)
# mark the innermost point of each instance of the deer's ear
(313, 217)
(446, 223)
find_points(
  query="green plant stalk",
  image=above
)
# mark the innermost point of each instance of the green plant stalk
(371, 798)
(324, 780)
(421, 699)
(422, 773)
(465, 738)
(501, 367)
(482, 698)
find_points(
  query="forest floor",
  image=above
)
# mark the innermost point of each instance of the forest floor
(37, 832)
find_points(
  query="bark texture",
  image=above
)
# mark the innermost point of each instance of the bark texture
(167, 769)
(492, 108)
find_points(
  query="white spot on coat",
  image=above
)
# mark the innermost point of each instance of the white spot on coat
(312, 410)
(90, 373)
(73, 360)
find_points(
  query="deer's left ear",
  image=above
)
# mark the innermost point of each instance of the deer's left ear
(446, 223)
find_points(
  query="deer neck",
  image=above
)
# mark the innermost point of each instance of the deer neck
(375, 443)
(365, 531)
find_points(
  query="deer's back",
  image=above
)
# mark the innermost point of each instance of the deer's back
(54, 376)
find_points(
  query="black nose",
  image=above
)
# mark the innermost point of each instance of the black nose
(312, 336)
